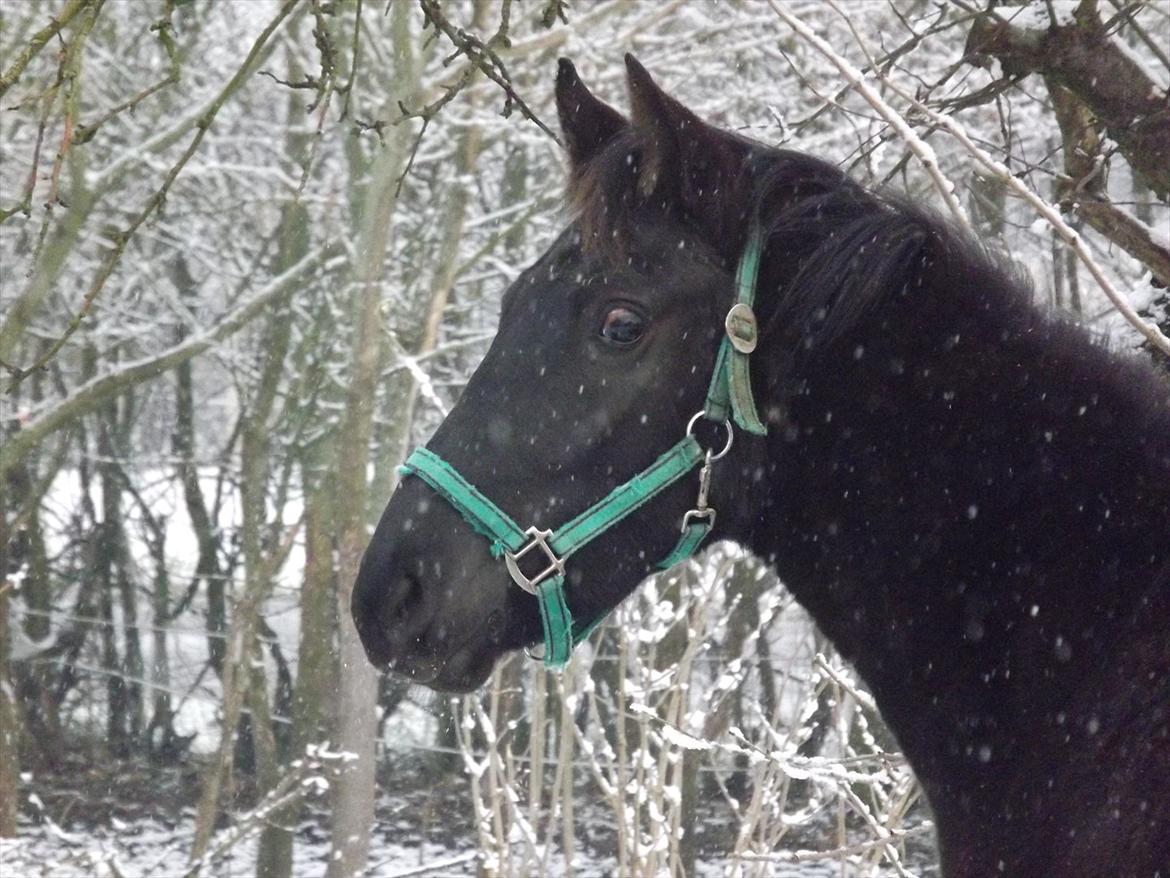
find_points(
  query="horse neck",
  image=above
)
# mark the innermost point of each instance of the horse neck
(972, 501)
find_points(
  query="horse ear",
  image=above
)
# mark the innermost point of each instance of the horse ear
(684, 158)
(587, 123)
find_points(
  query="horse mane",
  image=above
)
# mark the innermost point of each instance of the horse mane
(845, 248)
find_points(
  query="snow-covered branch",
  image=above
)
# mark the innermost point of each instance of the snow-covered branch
(88, 396)
(996, 168)
(919, 147)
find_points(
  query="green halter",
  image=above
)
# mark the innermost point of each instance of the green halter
(728, 397)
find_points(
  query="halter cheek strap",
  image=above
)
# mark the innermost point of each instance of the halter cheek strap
(728, 397)
(730, 393)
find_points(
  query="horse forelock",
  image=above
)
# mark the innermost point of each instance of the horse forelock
(604, 196)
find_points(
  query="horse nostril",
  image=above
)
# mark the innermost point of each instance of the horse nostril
(391, 619)
(408, 610)
(412, 595)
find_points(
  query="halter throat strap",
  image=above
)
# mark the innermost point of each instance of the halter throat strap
(729, 397)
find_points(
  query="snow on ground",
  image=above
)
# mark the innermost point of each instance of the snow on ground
(148, 849)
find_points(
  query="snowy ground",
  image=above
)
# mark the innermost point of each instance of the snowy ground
(420, 829)
(149, 849)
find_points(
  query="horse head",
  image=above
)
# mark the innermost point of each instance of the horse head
(604, 352)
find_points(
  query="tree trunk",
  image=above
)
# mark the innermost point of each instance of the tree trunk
(1083, 57)
(316, 670)
(9, 722)
(357, 693)
(207, 568)
(163, 741)
(1083, 191)
(120, 694)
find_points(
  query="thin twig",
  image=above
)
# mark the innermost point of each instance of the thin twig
(1153, 45)
(885, 61)
(856, 78)
(25, 204)
(164, 28)
(122, 238)
(347, 89)
(482, 58)
(34, 45)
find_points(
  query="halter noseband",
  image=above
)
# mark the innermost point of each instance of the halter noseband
(729, 397)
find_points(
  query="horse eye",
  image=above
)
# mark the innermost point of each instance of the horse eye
(622, 326)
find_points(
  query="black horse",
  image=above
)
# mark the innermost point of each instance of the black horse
(970, 495)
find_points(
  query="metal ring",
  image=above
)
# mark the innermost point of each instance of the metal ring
(726, 426)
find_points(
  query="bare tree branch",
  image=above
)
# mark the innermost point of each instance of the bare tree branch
(856, 78)
(1082, 188)
(122, 238)
(1151, 332)
(96, 391)
(1083, 57)
(12, 74)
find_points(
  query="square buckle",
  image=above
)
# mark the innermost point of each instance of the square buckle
(537, 539)
(694, 515)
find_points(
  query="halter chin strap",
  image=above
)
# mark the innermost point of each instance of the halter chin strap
(730, 393)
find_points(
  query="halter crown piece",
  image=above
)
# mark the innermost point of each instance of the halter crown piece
(729, 398)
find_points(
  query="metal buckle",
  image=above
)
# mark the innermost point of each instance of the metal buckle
(740, 326)
(538, 538)
(698, 515)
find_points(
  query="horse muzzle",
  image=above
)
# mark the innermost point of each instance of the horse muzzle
(429, 603)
